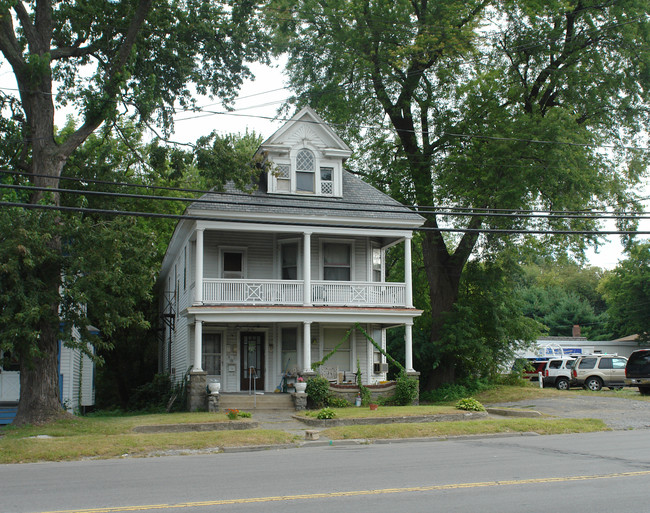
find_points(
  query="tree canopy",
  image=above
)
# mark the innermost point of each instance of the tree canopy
(134, 59)
(496, 108)
(627, 292)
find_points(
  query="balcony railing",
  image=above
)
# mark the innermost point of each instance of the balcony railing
(258, 292)
(284, 292)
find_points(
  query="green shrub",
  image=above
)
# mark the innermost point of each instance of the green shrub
(318, 390)
(446, 393)
(153, 396)
(469, 404)
(406, 389)
(337, 402)
(245, 414)
(513, 379)
(326, 413)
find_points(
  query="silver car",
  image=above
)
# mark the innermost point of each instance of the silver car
(596, 371)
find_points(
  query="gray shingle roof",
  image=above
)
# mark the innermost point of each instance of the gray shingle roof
(360, 201)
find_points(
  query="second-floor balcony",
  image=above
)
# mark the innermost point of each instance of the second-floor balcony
(285, 292)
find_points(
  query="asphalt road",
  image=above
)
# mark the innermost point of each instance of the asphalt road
(596, 472)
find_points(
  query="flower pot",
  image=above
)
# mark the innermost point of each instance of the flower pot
(373, 406)
(300, 387)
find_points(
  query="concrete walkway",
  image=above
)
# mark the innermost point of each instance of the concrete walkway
(280, 420)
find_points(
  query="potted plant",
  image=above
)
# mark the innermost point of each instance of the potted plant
(300, 385)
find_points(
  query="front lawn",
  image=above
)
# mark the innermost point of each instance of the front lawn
(111, 437)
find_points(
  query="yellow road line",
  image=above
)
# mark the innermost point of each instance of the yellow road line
(353, 493)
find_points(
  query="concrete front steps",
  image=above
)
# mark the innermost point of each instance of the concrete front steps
(260, 402)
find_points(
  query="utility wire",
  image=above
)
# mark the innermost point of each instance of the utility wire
(180, 217)
(332, 207)
(438, 210)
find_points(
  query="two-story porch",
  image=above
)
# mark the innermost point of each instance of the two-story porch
(295, 317)
(260, 283)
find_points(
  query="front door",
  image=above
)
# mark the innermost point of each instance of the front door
(252, 361)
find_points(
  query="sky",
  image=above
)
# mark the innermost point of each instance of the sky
(256, 110)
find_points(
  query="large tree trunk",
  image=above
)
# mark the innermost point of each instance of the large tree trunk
(39, 376)
(444, 272)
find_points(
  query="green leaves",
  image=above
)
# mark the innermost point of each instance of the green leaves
(627, 292)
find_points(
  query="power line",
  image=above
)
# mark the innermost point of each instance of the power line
(179, 217)
(436, 210)
(332, 207)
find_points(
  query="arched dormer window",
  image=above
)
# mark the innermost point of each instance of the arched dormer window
(305, 173)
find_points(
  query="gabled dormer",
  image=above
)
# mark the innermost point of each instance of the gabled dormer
(306, 157)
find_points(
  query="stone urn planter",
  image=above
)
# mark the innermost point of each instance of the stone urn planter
(300, 387)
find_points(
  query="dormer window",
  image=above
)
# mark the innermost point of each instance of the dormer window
(305, 171)
(305, 157)
(305, 176)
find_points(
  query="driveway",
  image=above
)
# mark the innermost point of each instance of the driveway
(617, 413)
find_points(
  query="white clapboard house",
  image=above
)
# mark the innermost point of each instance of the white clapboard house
(256, 285)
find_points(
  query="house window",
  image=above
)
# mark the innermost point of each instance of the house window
(289, 349)
(184, 267)
(337, 262)
(289, 261)
(305, 178)
(341, 359)
(233, 264)
(211, 358)
(326, 181)
(283, 177)
(376, 264)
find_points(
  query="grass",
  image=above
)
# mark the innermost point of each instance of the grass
(544, 426)
(505, 394)
(111, 437)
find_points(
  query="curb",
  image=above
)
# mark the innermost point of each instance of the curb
(378, 441)
(231, 425)
(366, 421)
(506, 412)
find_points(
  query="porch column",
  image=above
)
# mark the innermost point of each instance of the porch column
(306, 268)
(198, 267)
(408, 278)
(198, 346)
(306, 346)
(408, 346)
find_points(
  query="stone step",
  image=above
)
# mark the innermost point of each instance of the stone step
(247, 402)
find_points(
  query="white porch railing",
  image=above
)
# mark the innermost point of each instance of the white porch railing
(283, 292)
(259, 292)
(346, 293)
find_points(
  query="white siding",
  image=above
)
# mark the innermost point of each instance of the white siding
(77, 372)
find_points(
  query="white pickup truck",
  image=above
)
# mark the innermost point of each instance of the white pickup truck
(557, 373)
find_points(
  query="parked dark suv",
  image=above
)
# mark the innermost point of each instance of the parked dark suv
(637, 371)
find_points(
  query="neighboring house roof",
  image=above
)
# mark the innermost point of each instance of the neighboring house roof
(360, 200)
(629, 338)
